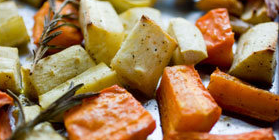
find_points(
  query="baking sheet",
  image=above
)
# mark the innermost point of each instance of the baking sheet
(229, 123)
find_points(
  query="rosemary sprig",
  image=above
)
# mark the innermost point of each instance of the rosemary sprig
(50, 24)
(65, 102)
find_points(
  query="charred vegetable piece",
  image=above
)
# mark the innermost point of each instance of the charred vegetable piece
(234, 6)
(5, 127)
(12, 28)
(234, 95)
(102, 29)
(9, 69)
(219, 38)
(94, 79)
(191, 46)
(56, 69)
(35, 3)
(261, 134)
(255, 57)
(143, 56)
(113, 115)
(255, 12)
(131, 17)
(185, 104)
(70, 35)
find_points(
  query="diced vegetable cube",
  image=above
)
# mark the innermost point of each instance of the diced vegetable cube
(184, 102)
(12, 28)
(102, 29)
(113, 115)
(236, 96)
(94, 79)
(143, 56)
(219, 38)
(255, 57)
(191, 46)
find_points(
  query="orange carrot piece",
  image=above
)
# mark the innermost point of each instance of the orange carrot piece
(234, 95)
(113, 115)
(261, 134)
(5, 128)
(184, 102)
(70, 36)
(219, 38)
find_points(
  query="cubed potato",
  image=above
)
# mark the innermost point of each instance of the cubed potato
(184, 102)
(234, 6)
(143, 56)
(12, 28)
(255, 57)
(94, 79)
(255, 12)
(131, 17)
(113, 115)
(191, 46)
(102, 29)
(239, 26)
(9, 69)
(31, 112)
(27, 87)
(60, 67)
(43, 131)
(123, 5)
(237, 96)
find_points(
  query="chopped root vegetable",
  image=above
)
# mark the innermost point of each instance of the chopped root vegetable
(234, 95)
(261, 134)
(113, 115)
(70, 36)
(185, 104)
(219, 38)
(5, 128)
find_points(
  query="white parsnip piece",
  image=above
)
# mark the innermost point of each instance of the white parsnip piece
(28, 88)
(12, 28)
(9, 69)
(255, 58)
(131, 17)
(94, 79)
(143, 56)
(60, 67)
(102, 29)
(191, 45)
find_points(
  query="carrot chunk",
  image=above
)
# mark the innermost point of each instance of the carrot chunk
(234, 95)
(5, 128)
(70, 35)
(261, 134)
(113, 115)
(219, 38)
(185, 104)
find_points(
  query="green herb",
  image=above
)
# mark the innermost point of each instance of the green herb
(50, 24)
(67, 101)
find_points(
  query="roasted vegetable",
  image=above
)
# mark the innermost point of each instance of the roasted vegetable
(255, 57)
(185, 104)
(191, 46)
(31, 112)
(9, 69)
(70, 34)
(219, 38)
(27, 87)
(143, 56)
(239, 26)
(123, 5)
(131, 17)
(35, 3)
(113, 115)
(56, 69)
(261, 134)
(102, 29)
(234, 6)
(255, 12)
(234, 95)
(5, 127)
(12, 28)
(94, 79)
